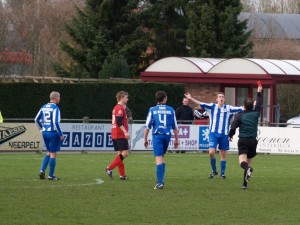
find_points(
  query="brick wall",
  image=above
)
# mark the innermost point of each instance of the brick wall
(203, 92)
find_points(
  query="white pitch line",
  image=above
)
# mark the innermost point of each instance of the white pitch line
(98, 181)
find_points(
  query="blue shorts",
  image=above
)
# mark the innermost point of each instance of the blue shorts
(160, 144)
(218, 139)
(52, 141)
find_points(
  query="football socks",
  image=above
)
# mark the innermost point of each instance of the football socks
(52, 163)
(164, 172)
(213, 164)
(223, 167)
(244, 165)
(121, 169)
(244, 181)
(159, 173)
(118, 159)
(45, 163)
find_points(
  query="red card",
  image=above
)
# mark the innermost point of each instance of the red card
(259, 83)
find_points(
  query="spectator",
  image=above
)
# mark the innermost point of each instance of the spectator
(184, 113)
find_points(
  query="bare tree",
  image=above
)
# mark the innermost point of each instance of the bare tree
(272, 6)
(39, 24)
(281, 49)
(276, 49)
(4, 26)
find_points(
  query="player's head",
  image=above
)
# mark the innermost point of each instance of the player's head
(248, 104)
(220, 98)
(122, 96)
(55, 97)
(185, 101)
(161, 97)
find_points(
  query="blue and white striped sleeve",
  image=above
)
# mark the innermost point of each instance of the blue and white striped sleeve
(207, 106)
(236, 109)
(38, 120)
(56, 119)
(174, 125)
(149, 120)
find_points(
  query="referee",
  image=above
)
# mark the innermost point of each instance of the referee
(247, 121)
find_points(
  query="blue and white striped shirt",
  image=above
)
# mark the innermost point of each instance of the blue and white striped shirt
(162, 118)
(220, 117)
(48, 118)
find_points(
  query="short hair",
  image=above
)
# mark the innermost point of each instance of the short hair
(248, 104)
(54, 95)
(121, 94)
(160, 96)
(220, 93)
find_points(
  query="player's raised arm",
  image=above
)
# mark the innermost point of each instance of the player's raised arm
(258, 104)
(189, 96)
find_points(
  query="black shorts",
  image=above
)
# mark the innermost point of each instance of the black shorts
(120, 144)
(247, 146)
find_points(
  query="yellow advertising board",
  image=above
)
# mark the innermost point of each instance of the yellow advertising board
(20, 136)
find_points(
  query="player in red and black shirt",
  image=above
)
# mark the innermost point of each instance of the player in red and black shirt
(119, 135)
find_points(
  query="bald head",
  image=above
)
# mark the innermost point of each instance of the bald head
(54, 97)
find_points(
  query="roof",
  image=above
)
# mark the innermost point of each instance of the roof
(258, 66)
(235, 70)
(183, 64)
(267, 25)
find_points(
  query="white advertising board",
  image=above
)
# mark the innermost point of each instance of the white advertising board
(20, 136)
(85, 136)
(188, 137)
(279, 140)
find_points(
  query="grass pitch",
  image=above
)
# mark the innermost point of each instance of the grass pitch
(85, 195)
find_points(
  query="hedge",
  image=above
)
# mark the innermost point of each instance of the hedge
(96, 100)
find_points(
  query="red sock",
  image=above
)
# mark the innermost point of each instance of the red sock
(121, 168)
(115, 162)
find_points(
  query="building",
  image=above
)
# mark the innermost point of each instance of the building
(15, 63)
(237, 78)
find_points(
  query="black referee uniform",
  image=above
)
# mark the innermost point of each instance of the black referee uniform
(247, 121)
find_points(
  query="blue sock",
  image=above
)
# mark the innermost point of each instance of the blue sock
(164, 172)
(52, 164)
(213, 164)
(45, 163)
(159, 173)
(223, 167)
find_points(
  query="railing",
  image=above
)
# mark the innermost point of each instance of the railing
(87, 120)
(44, 79)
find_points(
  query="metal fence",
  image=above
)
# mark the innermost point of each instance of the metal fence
(264, 123)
